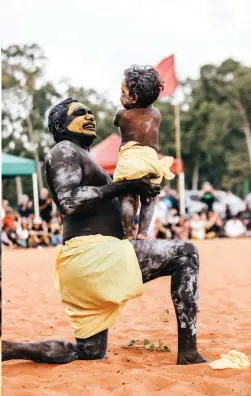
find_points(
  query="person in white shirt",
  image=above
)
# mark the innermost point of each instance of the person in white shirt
(198, 227)
(234, 228)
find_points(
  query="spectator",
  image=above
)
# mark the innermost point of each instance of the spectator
(182, 229)
(248, 201)
(207, 195)
(170, 198)
(159, 216)
(246, 218)
(9, 219)
(8, 237)
(56, 230)
(5, 205)
(198, 226)
(215, 226)
(173, 220)
(38, 235)
(45, 205)
(25, 208)
(23, 233)
(162, 232)
(234, 228)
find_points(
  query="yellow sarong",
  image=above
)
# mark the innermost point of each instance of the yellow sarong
(96, 275)
(137, 161)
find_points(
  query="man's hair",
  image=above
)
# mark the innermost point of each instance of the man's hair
(58, 114)
(143, 81)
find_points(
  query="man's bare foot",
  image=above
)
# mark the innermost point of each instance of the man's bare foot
(191, 358)
(142, 237)
(6, 350)
(128, 237)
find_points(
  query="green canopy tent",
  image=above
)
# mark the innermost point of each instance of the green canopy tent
(13, 166)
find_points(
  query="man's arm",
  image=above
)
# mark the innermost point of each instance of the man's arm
(64, 172)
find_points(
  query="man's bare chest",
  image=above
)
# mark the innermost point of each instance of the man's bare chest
(93, 174)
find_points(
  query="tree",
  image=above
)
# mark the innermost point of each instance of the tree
(25, 102)
(230, 83)
(213, 126)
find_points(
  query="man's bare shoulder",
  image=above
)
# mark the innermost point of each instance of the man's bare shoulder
(63, 150)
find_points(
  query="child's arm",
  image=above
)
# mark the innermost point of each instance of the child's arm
(118, 116)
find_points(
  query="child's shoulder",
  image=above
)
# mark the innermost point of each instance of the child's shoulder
(155, 110)
(120, 114)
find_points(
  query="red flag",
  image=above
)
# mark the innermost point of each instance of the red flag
(166, 72)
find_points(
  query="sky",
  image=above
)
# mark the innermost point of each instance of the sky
(90, 43)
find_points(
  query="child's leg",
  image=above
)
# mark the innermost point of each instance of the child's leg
(146, 214)
(128, 203)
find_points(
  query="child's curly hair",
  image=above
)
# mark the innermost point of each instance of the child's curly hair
(143, 81)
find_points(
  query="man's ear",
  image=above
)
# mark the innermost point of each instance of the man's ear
(58, 126)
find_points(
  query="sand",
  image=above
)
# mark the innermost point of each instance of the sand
(32, 311)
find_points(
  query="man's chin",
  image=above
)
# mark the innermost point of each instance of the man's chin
(89, 133)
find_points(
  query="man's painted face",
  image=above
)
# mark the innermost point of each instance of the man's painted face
(80, 119)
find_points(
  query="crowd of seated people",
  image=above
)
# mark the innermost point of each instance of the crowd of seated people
(22, 229)
(167, 223)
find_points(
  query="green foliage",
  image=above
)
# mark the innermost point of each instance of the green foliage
(151, 347)
(214, 134)
(132, 342)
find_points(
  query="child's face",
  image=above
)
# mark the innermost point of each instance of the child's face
(126, 100)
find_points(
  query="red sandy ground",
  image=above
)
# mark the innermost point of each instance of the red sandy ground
(32, 311)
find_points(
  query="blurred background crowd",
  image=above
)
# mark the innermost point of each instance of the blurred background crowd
(209, 214)
(21, 228)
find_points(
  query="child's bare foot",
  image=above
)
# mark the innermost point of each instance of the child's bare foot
(142, 237)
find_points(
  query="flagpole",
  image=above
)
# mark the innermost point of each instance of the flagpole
(166, 70)
(177, 131)
(181, 176)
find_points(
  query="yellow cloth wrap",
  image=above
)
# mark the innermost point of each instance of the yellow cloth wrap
(96, 275)
(137, 161)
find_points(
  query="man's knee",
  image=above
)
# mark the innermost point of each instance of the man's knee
(188, 255)
(187, 249)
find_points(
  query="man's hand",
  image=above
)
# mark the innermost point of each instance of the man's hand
(144, 187)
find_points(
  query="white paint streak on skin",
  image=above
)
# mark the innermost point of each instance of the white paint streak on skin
(63, 176)
(49, 158)
(180, 306)
(148, 125)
